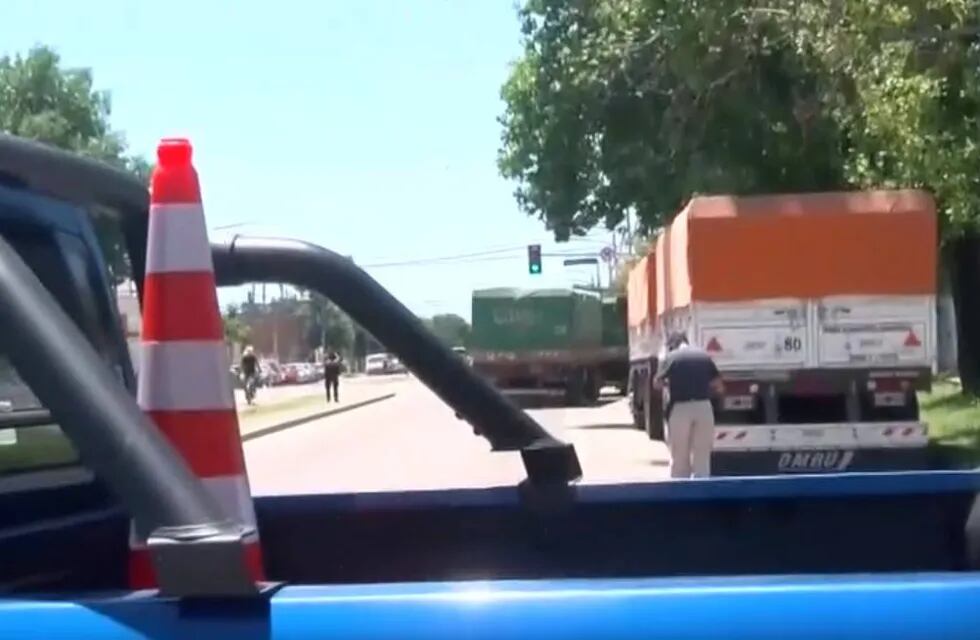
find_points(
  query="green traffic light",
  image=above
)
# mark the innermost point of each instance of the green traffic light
(534, 259)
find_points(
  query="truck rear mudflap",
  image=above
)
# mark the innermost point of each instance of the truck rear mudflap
(821, 448)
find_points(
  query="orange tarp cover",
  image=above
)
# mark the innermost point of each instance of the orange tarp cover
(723, 248)
(641, 292)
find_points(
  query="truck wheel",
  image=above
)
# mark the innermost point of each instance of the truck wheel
(637, 409)
(575, 389)
(592, 388)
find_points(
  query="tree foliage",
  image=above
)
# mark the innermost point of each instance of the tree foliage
(622, 105)
(636, 105)
(44, 101)
(451, 329)
(328, 326)
(237, 331)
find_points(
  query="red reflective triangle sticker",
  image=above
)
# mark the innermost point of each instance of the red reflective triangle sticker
(713, 345)
(912, 340)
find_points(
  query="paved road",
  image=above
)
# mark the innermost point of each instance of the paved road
(273, 395)
(413, 441)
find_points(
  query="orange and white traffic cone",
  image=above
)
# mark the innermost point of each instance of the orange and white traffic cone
(184, 384)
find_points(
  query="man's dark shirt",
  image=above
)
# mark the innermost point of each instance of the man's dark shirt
(249, 364)
(331, 368)
(688, 372)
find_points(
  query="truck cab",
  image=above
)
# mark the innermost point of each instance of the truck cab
(877, 555)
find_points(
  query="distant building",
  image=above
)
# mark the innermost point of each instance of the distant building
(277, 332)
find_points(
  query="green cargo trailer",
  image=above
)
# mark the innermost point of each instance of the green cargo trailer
(539, 341)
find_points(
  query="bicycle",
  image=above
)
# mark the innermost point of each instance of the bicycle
(250, 389)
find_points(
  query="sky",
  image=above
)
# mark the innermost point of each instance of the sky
(368, 127)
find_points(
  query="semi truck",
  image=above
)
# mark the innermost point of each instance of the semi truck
(820, 312)
(539, 342)
(549, 558)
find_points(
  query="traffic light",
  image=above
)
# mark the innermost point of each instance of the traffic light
(534, 259)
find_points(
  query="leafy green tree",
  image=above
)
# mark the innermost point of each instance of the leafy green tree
(451, 329)
(329, 326)
(44, 101)
(622, 105)
(237, 331)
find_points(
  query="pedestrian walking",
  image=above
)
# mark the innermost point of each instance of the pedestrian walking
(331, 375)
(690, 377)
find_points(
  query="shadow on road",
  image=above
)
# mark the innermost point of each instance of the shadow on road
(539, 402)
(607, 426)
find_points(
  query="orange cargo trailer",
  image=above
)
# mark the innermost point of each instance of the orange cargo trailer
(725, 248)
(641, 307)
(819, 310)
(644, 344)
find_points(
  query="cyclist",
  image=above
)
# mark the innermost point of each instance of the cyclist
(250, 369)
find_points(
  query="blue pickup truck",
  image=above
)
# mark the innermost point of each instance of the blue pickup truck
(891, 555)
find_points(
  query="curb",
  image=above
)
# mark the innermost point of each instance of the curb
(295, 422)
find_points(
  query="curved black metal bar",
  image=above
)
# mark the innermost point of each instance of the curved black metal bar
(113, 436)
(245, 260)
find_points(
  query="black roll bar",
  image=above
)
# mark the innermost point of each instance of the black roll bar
(118, 441)
(244, 260)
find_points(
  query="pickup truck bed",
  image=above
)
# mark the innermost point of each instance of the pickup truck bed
(480, 563)
(716, 527)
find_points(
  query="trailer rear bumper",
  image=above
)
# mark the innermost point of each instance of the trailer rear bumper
(821, 461)
(829, 380)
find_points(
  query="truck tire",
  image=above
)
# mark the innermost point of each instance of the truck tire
(574, 390)
(593, 387)
(637, 409)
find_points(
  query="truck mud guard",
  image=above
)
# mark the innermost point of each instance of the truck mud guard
(547, 460)
(197, 551)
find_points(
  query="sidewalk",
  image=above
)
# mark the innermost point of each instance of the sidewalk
(264, 419)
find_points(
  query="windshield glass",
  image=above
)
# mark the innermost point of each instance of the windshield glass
(693, 239)
(55, 241)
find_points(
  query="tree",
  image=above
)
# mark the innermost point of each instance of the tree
(43, 101)
(622, 105)
(237, 331)
(329, 326)
(451, 329)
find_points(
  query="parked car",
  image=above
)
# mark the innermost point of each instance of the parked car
(273, 373)
(377, 364)
(396, 366)
(290, 374)
(462, 353)
(309, 372)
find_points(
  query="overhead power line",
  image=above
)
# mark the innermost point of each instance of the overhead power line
(489, 255)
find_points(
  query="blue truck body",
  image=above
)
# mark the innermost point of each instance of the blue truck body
(891, 607)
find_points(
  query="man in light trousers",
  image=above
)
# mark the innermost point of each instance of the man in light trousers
(691, 377)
